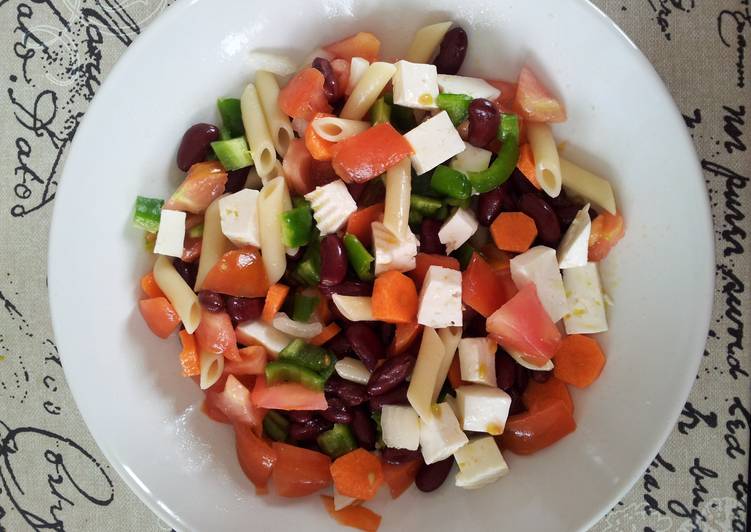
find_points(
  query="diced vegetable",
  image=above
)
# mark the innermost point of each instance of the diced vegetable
(303, 307)
(275, 426)
(513, 231)
(159, 315)
(482, 288)
(363, 44)
(380, 113)
(399, 477)
(204, 183)
(367, 155)
(275, 297)
(464, 255)
(337, 441)
(239, 273)
(252, 361)
(308, 270)
(456, 105)
(357, 474)
(526, 164)
(539, 393)
(309, 356)
(149, 286)
(289, 396)
(298, 167)
(607, 231)
(299, 472)
(286, 372)
(394, 298)
(304, 95)
(532, 431)
(328, 332)
(234, 402)
(503, 166)
(189, 355)
(147, 213)
(229, 110)
(449, 182)
(297, 226)
(402, 118)
(216, 335)
(360, 223)
(579, 360)
(404, 336)
(353, 516)
(255, 455)
(320, 148)
(359, 258)
(534, 102)
(424, 205)
(233, 153)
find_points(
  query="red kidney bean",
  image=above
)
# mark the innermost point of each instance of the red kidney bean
(333, 261)
(517, 406)
(211, 301)
(243, 308)
(330, 83)
(489, 206)
(452, 51)
(374, 192)
(397, 396)
(504, 370)
(366, 344)
(484, 119)
(390, 374)
(309, 429)
(431, 476)
(364, 429)
(195, 145)
(351, 393)
(475, 327)
(548, 226)
(521, 184)
(510, 197)
(399, 456)
(340, 346)
(540, 376)
(566, 215)
(322, 173)
(429, 241)
(187, 270)
(300, 416)
(387, 331)
(521, 378)
(356, 190)
(348, 288)
(337, 411)
(236, 180)
(332, 384)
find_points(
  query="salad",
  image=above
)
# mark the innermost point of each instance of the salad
(379, 268)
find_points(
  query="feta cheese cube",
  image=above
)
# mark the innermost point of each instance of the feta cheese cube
(483, 408)
(332, 204)
(574, 247)
(458, 229)
(415, 85)
(391, 251)
(354, 308)
(260, 332)
(475, 87)
(238, 214)
(440, 434)
(441, 298)
(480, 463)
(353, 370)
(357, 68)
(400, 427)
(540, 266)
(472, 159)
(587, 308)
(477, 360)
(171, 234)
(434, 142)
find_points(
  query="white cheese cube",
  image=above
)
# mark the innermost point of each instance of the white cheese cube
(353, 370)
(415, 85)
(171, 234)
(480, 463)
(354, 308)
(475, 87)
(357, 68)
(574, 247)
(440, 434)
(400, 427)
(260, 332)
(451, 401)
(472, 159)
(434, 142)
(332, 204)
(441, 298)
(391, 251)
(483, 408)
(523, 360)
(540, 266)
(238, 214)
(458, 229)
(587, 308)
(477, 360)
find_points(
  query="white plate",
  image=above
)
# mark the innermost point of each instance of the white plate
(622, 124)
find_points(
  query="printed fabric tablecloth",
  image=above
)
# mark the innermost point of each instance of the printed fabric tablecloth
(54, 54)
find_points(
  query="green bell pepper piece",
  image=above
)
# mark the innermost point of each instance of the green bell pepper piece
(359, 258)
(415, 218)
(337, 441)
(147, 214)
(308, 270)
(303, 307)
(503, 166)
(276, 426)
(456, 105)
(450, 182)
(402, 118)
(308, 356)
(279, 371)
(224, 133)
(463, 255)
(196, 232)
(380, 112)
(297, 226)
(461, 203)
(421, 186)
(234, 154)
(375, 415)
(229, 110)
(424, 205)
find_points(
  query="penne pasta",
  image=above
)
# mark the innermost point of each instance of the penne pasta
(214, 243)
(450, 336)
(212, 367)
(257, 131)
(179, 294)
(425, 42)
(336, 129)
(586, 185)
(253, 180)
(547, 163)
(271, 204)
(424, 376)
(279, 124)
(367, 90)
(398, 190)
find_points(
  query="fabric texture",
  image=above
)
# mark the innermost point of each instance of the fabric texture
(54, 55)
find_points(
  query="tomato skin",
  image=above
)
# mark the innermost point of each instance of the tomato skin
(607, 231)
(341, 72)
(532, 431)
(159, 315)
(287, 396)
(203, 184)
(234, 403)
(256, 457)
(482, 287)
(360, 223)
(299, 472)
(304, 96)
(522, 324)
(367, 155)
(239, 273)
(363, 44)
(505, 102)
(534, 102)
(216, 335)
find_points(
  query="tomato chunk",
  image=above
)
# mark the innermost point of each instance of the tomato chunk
(531, 431)
(216, 335)
(203, 184)
(256, 457)
(607, 231)
(369, 154)
(399, 477)
(299, 472)
(363, 44)
(297, 166)
(360, 223)
(533, 101)
(482, 287)
(287, 396)
(252, 361)
(239, 273)
(159, 315)
(234, 402)
(304, 96)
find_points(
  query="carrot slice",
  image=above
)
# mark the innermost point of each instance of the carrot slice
(149, 286)
(579, 360)
(423, 262)
(320, 148)
(360, 223)
(159, 315)
(399, 477)
(513, 231)
(526, 164)
(353, 516)
(404, 336)
(367, 155)
(537, 393)
(328, 332)
(274, 300)
(189, 355)
(357, 474)
(394, 298)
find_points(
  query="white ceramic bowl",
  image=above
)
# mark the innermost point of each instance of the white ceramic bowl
(622, 124)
